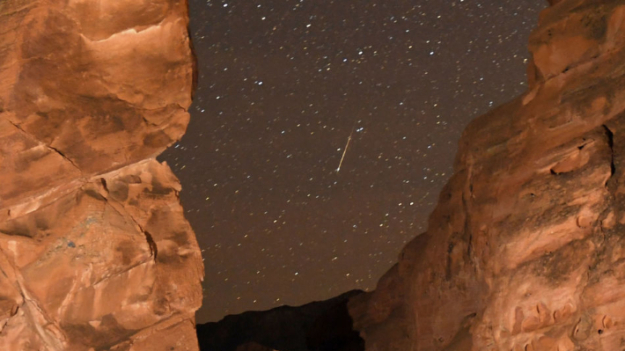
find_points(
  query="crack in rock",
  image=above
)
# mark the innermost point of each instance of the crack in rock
(57, 151)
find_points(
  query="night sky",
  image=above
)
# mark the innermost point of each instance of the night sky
(283, 86)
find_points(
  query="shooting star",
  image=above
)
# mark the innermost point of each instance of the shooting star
(349, 138)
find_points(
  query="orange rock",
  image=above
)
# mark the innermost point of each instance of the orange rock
(94, 247)
(525, 249)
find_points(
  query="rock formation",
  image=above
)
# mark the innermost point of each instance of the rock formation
(316, 326)
(252, 346)
(95, 253)
(526, 247)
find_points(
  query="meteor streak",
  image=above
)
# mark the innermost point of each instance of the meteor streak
(349, 138)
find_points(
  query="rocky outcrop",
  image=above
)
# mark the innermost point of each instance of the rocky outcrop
(95, 253)
(252, 346)
(526, 247)
(317, 326)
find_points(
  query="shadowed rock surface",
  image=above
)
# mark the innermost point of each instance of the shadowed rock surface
(526, 247)
(252, 346)
(95, 253)
(317, 326)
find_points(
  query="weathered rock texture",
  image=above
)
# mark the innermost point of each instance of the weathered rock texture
(526, 248)
(95, 253)
(316, 326)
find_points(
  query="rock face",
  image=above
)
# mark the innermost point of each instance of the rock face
(317, 326)
(526, 248)
(95, 252)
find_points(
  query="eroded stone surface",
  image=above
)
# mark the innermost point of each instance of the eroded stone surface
(95, 252)
(525, 248)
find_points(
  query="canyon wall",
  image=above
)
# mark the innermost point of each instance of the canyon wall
(526, 247)
(95, 253)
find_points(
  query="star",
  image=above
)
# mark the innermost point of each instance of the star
(280, 84)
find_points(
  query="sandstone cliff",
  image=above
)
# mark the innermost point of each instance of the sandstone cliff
(526, 248)
(95, 253)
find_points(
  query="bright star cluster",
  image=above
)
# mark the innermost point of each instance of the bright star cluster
(288, 90)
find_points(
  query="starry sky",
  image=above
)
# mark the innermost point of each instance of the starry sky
(288, 90)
